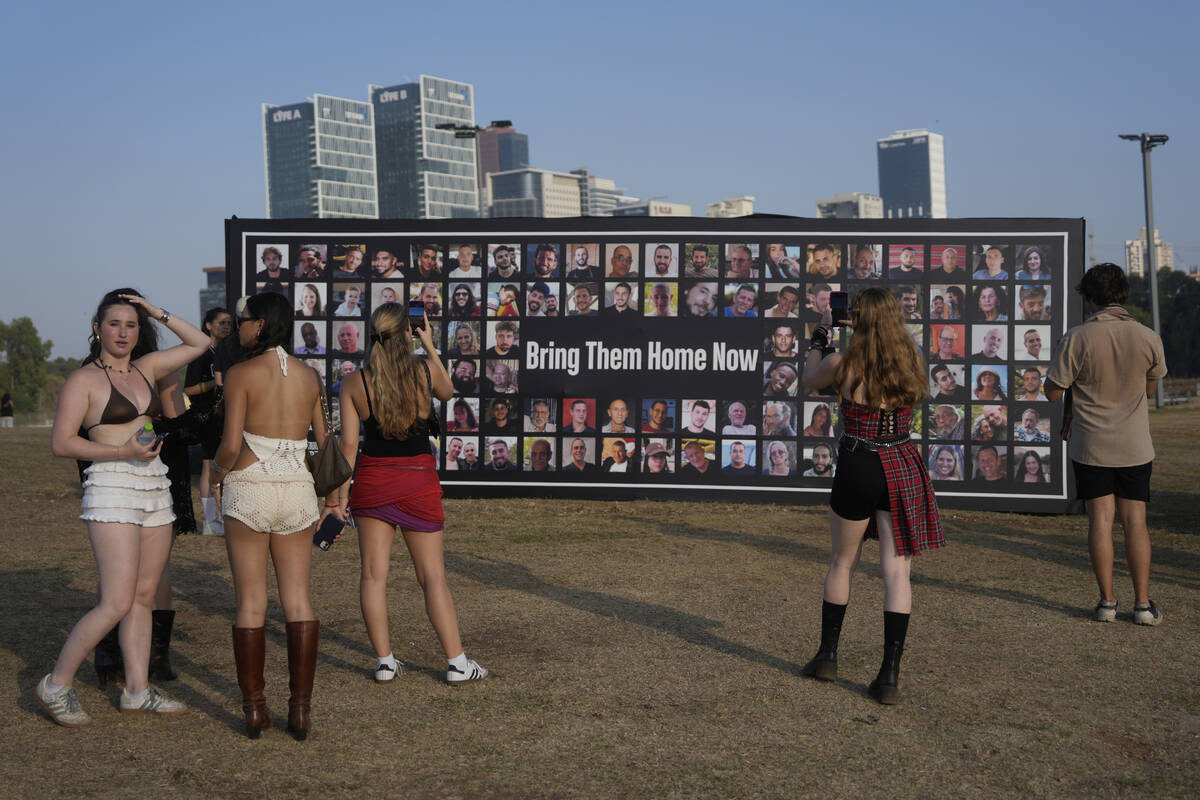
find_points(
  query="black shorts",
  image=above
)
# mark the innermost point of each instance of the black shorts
(860, 487)
(1131, 483)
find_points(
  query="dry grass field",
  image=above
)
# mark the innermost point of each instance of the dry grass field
(638, 650)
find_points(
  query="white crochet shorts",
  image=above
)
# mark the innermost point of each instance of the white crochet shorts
(270, 502)
(128, 491)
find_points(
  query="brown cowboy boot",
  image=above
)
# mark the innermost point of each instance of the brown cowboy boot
(249, 651)
(302, 666)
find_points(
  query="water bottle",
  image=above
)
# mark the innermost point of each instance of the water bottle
(145, 436)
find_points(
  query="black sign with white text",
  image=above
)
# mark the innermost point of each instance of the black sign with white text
(661, 357)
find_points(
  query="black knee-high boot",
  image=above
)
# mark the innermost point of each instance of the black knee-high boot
(160, 645)
(886, 686)
(109, 663)
(823, 665)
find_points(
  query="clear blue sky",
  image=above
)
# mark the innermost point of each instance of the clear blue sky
(132, 129)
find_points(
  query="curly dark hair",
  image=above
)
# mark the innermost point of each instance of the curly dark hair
(1104, 285)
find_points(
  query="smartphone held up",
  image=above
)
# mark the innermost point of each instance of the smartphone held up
(416, 314)
(839, 308)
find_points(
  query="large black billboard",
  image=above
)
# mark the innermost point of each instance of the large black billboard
(660, 357)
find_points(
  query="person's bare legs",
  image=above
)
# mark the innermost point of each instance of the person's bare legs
(116, 547)
(135, 625)
(846, 540)
(292, 556)
(895, 568)
(1100, 511)
(375, 539)
(247, 551)
(430, 565)
(1132, 514)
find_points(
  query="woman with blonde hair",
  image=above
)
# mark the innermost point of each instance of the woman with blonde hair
(396, 482)
(270, 507)
(882, 486)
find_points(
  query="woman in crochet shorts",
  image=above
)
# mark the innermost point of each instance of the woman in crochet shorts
(270, 508)
(103, 407)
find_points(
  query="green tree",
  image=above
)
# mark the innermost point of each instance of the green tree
(23, 373)
(1179, 318)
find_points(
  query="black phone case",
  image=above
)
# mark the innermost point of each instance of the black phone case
(331, 527)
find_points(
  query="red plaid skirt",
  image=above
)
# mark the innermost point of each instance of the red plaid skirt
(916, 521)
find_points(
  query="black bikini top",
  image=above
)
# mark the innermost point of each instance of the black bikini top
(120, 408)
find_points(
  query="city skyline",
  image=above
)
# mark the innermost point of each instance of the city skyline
(132, 157)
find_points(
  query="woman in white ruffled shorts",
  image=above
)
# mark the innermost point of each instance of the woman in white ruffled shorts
(126, 497)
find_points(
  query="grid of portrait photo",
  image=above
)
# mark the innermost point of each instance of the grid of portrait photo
(981, 311)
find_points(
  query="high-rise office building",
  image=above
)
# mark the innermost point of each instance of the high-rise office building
(531, 192)
(1135, 253)
(912, 175)
(502, 150)
(320, 159)
(731, 207)
(599, 196)
(424, 172)
(851, 205)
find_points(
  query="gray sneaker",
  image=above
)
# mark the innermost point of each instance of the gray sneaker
(1147, 614)
(1105, 611)
(62, 706)
(152, 702)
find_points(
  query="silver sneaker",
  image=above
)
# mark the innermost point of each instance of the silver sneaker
(1105, 611)
(62, 706)
(473, 672)
(152, 702)
(1147, 614)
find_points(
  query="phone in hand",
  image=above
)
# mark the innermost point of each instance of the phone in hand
(839, 308)
(416, 314)
(328, 531)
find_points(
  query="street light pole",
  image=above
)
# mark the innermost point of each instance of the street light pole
(1149, 142)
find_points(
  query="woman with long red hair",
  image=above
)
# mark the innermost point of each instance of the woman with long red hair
(882, 487)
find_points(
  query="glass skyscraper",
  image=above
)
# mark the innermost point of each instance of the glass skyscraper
(425, 173)
(912, 175)
(320, 159)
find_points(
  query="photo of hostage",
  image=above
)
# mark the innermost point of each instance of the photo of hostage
(617, 454)
(823, 462)
(882, 488)
(1107, 368)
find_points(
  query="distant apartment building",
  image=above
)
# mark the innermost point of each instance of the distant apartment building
(1135, 253)
(653, 208)
(599, 196)
(425, 172)
(731, 207)
(501, 149)
(213, 293)
(851, 205)
(912, 175)
(532, 192)
(320, 159)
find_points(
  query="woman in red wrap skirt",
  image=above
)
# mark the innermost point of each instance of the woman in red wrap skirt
(396, 482)
(882, 487)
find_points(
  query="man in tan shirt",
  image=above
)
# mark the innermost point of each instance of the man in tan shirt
(1111, 364)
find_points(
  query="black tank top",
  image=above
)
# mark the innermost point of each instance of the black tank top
(415, 441)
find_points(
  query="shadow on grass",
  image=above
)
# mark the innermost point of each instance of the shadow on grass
(207, 587)
(792, 548)
(688, 627)
(1174, 511)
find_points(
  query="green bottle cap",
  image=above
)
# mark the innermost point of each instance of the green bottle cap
(149, 426)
